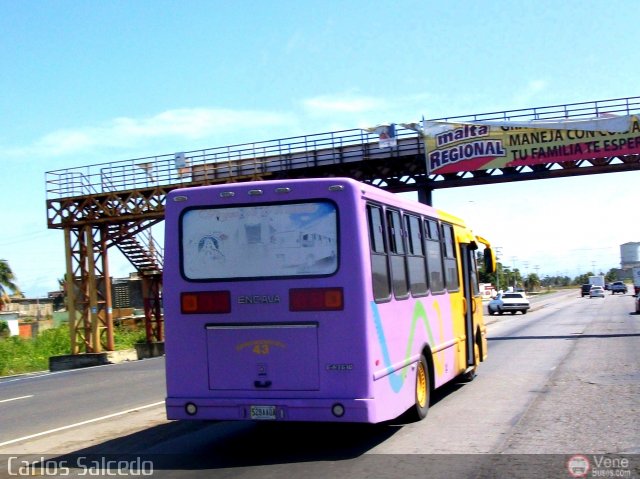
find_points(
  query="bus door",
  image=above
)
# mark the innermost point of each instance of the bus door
(469, 287)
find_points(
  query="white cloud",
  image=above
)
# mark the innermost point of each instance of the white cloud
(330, 104)
(342, 111)
(226, 126)
(530, 92)
(189, 124)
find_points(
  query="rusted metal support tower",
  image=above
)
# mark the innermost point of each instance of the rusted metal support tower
(92, 224)
(153, 321)
(88, 290)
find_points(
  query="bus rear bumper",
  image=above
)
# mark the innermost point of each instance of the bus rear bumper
(321, 410)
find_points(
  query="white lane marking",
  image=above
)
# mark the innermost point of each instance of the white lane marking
(71, 426)
(42, 374)
(15, 399)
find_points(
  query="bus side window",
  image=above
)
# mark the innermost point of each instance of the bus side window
(473, 268)
(450, 263)
(415, 256)
(434, 256)
(379, 264)
(397, 255)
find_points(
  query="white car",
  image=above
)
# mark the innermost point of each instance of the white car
(509, 301)
(596, 292)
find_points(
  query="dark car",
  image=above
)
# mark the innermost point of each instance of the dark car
(618, 287)
(585, 288)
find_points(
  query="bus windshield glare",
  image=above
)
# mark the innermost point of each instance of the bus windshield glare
(257, 241)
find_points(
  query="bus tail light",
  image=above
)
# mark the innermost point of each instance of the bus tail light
(202, 302)
(316, 299)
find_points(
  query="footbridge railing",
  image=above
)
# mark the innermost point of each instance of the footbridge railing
(266, 158)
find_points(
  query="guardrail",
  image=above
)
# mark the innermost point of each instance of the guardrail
(592, 109)
(256, 159)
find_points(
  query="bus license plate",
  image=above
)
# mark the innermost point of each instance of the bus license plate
(263, 412)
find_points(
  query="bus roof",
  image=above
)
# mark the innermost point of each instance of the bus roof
(368, 191)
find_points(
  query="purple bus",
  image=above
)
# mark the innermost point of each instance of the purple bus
(315, 300)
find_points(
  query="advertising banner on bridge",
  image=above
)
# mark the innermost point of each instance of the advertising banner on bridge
(454, 147)
(386, 133)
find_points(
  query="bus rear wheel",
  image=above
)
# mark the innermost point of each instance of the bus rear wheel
(423, 390)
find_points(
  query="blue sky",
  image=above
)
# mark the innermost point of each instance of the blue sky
(87, 82)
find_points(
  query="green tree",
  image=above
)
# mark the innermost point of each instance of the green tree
(483, 275)
(7, 283)
(583, 278)
(4, 329)
(510, 278)
(532, 282)
(60, 300)
(611, 276)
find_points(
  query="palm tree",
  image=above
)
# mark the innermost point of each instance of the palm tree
(7, 282)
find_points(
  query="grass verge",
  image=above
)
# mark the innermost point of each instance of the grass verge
(19, 355)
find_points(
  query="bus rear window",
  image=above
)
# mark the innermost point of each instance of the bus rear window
(257, 241)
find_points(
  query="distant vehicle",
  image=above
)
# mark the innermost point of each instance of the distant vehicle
(636, 279)
(596, 292)
(584, 289)
(638, 303)
(618, 287)
(511, 302)
(607, 286)
(596, 280)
